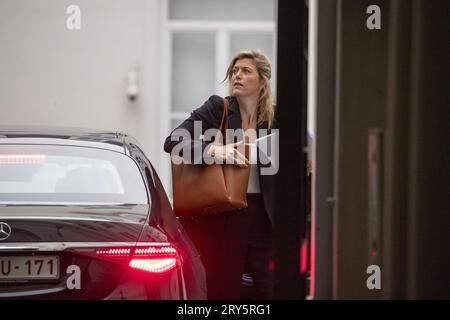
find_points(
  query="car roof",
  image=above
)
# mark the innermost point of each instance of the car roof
(115, 141)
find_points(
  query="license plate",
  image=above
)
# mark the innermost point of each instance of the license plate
(29, 267)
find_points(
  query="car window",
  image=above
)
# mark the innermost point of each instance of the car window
(68, 174)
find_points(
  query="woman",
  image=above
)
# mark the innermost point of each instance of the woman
(237, 242)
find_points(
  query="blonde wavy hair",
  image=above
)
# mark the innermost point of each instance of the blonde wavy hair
(265, 107)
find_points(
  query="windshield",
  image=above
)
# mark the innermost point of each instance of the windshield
(68, 174)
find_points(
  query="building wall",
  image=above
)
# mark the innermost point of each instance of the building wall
(54, 76)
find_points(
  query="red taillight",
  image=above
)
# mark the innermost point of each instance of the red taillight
(114, 252)
(155, 250)
(153, 265)
(155, 259)
(21, 159)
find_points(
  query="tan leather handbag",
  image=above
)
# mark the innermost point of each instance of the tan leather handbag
(200, 189)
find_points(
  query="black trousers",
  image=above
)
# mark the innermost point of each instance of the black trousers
(233, 243)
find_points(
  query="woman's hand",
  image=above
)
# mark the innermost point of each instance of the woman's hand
(228, 154)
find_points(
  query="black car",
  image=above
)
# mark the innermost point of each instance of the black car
(83, 215)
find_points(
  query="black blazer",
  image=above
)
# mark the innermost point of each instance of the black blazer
(210, 114)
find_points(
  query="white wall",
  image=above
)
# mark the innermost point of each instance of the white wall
(50, 75)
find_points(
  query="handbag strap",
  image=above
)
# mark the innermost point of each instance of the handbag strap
(224, 123)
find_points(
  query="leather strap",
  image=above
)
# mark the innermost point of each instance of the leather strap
(224, 123)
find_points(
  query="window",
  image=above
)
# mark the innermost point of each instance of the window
(68, 174)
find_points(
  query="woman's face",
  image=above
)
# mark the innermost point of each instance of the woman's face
(245, 80)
